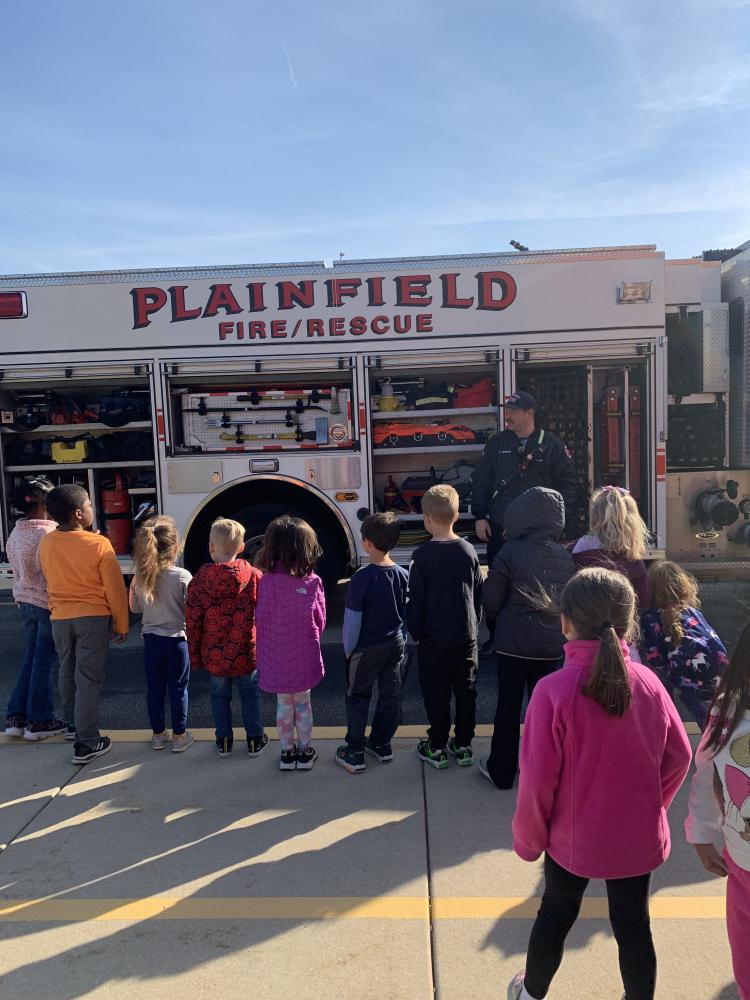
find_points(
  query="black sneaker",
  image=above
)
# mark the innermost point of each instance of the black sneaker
(381, 752)
(83, 753)
(435, 758)
(70, 733)
(257, 744)
(306, 758)
(351, 760)
(288, 760)
(224, 745)
(464, 755)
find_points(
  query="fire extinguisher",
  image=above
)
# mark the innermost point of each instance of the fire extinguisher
(117, 513)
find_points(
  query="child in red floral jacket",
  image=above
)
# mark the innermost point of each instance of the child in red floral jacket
(220, 618)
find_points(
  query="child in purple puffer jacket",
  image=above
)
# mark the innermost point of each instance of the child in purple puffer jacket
(289, 619)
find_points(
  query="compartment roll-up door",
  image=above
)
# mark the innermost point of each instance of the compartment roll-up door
(605, 350)
(258, 364)
(75, 372)
(416, 359)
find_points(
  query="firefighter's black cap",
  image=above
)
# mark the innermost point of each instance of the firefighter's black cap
(520, 401)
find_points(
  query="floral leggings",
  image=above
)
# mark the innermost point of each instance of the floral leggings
(294, 710)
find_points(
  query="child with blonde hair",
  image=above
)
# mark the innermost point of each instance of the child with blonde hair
(158, 591)
(442, 616)
(618, 539)
(221, 601)
(291, 617)
(678, 642)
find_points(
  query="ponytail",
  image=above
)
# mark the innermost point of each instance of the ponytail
(600, 604)
(674, 592)
(156, 546)
(609, 683)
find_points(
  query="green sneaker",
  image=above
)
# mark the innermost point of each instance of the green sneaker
(435, 758)
(464, 755)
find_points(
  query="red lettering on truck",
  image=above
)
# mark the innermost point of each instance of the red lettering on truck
(411, 290)
(179, 312)
(341, 288)
(222, 297)
(486, 282)
(292, 294)
(146, 301)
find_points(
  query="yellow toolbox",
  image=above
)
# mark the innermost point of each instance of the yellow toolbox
(65, 452)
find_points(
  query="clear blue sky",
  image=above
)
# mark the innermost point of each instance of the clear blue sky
(150, 134)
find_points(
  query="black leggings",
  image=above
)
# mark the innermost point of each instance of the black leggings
(628, 914)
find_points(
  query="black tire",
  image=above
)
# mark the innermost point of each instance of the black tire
(256, 519)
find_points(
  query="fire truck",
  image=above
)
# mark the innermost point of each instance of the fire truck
(332, 391)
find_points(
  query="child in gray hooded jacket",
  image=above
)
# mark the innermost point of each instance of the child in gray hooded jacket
(531, 566)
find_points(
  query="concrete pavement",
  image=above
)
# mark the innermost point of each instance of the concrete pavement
(154, 874)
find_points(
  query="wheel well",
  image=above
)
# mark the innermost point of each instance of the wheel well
(238, 497)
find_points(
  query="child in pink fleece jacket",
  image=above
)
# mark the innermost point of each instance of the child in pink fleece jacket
(289, 619)
(603, 755)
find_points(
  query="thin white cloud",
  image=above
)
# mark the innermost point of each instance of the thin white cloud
(292, 77)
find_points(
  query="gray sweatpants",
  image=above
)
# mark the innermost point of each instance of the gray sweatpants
(82, 645)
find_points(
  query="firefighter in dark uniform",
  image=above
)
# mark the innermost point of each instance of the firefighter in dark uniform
(513, 461)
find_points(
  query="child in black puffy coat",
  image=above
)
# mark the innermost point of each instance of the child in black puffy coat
(531, 567)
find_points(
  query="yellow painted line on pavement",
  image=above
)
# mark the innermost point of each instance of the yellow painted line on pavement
(593, 907)
(333, 908)
(320, 733)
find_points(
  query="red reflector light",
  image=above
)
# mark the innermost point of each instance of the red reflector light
(13, 305)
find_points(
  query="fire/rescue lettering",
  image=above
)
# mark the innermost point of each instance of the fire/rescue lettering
(334, 326)
(145, 302)
(222, 297)
(411, 290)
(291, 294)
(179, 312)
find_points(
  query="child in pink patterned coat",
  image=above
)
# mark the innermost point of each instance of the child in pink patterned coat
(289, 618)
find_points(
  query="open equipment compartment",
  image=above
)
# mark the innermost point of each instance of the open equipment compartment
(600, 412)
(288, 406)
(431, 418)
(90, 425)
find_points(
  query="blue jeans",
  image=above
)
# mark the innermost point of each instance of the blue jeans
(32, 697)
(696, 705)
(221, 703)
(167, 669)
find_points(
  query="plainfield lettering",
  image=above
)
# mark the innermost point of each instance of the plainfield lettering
(489, 290)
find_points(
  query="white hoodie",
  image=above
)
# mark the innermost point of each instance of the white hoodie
(726, 775)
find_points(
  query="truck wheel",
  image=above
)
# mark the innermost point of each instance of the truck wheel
(256, 519)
